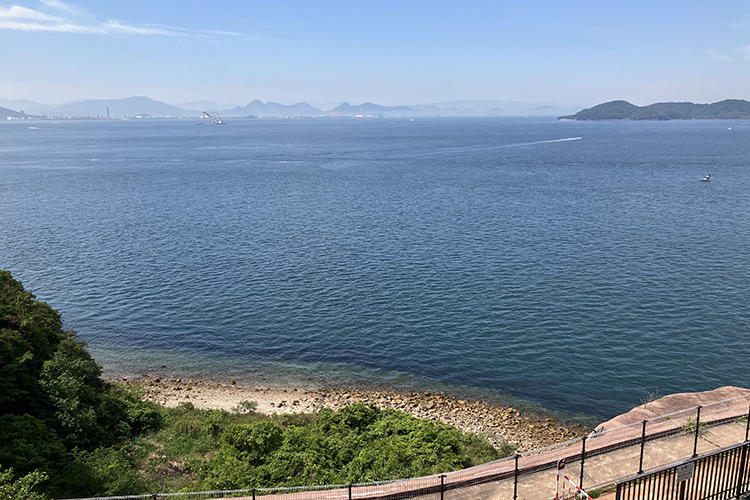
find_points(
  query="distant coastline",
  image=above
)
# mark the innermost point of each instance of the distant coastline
(142, 107)
(728, 109)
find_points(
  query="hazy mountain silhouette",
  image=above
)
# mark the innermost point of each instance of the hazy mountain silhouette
(131, 106)
(5, 112)
(145, 106)
(260, 109)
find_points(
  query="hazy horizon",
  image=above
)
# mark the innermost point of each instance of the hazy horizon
(570, 55)
(455, 107)
(478, 104)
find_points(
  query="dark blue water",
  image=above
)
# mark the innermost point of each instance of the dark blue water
(498, 255)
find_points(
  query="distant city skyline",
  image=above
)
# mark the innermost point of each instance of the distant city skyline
(571, 54)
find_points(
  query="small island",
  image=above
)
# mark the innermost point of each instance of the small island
(736, 109)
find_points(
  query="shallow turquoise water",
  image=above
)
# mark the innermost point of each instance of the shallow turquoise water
(578, 266)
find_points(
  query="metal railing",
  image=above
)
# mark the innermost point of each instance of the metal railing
(720, 475)
(597, 461)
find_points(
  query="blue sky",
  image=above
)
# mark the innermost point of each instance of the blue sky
(568, 53)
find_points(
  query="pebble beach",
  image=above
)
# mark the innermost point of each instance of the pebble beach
(500, 424)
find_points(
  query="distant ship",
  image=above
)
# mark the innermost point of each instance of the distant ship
(215, 119)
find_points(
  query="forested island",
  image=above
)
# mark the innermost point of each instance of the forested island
(623, 110)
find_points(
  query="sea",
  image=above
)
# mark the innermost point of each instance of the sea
(578, 268)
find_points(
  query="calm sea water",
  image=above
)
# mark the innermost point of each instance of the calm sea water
(577, 266)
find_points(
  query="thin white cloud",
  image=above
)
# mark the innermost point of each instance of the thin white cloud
(57, 27)
(191, 32)
(71, 19)
(22, 14)
(112, 26)
(745, 51)
(63, 7)
(715, 55)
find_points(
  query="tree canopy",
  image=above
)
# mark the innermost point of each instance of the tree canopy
(53, 404)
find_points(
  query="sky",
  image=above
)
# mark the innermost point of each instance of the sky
(564, 53)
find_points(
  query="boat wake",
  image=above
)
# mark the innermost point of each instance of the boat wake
(548, 141)
(566, 139)
(487, 147)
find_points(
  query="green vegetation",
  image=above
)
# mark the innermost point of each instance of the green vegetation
(211, 449)
(12, 488)
(598, 493)
(64, 432)
(245, 406)
(56, 414)
(623, 110)
(691, 425)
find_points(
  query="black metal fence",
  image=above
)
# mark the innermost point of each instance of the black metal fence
(722, 475)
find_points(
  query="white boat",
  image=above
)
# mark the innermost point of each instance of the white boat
(706, 178)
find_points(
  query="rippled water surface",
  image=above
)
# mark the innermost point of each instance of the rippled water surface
(579, 266)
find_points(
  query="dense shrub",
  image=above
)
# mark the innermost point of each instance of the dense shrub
(29, 444)
(114, 471)
(16, 488)
(53, 405)
(355, 444)
(253, 443)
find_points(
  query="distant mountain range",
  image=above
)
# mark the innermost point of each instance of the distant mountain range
(623, 110)
(261, 109)
(449, 108)
(145, 107)
(101, 108)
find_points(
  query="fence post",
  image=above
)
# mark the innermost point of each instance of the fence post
(697, 429)
(682, 488)
(515, 479)
(741, 470)
(442, 485)
(643, 445)
(583, 457)
(253, 493)
(747, 423)
(350, 491)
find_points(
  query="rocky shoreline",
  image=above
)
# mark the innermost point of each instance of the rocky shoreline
(500, 424)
